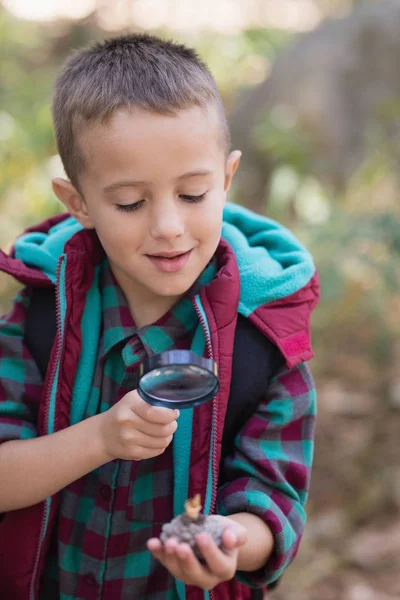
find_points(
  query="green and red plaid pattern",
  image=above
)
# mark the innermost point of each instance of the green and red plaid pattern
(269, 470)
(20, 380)
(98, 549)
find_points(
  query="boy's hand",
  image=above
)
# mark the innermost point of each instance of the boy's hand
(221, 563)
(134, 430)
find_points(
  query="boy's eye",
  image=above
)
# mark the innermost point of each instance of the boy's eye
(136, 205)
(188, 198)
(129, 207)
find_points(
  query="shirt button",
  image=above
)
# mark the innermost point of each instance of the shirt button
(105, 492)
(90, 579)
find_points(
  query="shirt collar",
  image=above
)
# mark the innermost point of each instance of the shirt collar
(119, 325)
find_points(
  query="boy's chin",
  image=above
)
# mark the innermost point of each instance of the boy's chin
(178, 287)
(174, 290)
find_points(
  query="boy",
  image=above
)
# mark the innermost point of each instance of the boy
(89, 471)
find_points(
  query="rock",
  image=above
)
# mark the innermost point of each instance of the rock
(191, 523)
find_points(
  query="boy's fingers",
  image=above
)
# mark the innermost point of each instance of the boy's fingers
(229, 539)
(147, 442)
(168, 556)
(170, 545)
(154, 545)
(190, 567)
(181, 562)
(234, 537)
(153, 429)
(219, 563)
(153, 414)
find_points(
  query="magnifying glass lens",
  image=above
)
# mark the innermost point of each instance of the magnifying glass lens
(178, 384)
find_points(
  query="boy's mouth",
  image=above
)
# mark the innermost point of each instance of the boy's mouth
(169, 262)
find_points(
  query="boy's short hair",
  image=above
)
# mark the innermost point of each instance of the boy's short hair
(130, 71)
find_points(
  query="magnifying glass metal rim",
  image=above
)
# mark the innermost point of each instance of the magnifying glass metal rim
(175, 358)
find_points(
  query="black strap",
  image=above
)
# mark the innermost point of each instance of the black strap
(40, 326)
(255, 359)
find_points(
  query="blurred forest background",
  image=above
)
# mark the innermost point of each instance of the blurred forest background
(312, 91)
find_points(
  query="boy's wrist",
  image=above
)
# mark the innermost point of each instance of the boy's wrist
(255, 553)
(97, 435)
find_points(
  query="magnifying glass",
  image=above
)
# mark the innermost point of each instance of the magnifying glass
(178, 379)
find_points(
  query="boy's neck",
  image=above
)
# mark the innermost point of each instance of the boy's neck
(145, 307)
(147, 313)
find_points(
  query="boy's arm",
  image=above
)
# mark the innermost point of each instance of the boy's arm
(268, 474)
(33, 468)
(21, 384)
(259, 545)
(22, 454)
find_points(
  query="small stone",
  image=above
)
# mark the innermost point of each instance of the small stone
(187, 526)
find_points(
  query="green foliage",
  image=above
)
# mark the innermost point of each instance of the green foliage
(278, 136)
(239, 61)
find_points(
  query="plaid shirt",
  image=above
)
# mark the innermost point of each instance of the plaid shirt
(99, 548)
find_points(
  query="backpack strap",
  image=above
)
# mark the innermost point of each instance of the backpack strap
(40, 326)
(255, 360)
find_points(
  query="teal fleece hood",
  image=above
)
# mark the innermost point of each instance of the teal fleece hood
(272, 262)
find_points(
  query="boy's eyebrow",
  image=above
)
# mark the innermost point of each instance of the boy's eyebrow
(132, 183)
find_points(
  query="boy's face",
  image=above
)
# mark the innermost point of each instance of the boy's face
(154, 187)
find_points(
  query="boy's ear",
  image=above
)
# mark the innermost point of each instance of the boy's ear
(73, 201)
(232, 164)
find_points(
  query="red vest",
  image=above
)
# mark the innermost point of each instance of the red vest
(285, 322)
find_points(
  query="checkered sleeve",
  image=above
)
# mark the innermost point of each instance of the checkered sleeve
(268, 472)
(20, 380)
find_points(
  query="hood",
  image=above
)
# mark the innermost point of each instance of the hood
(42, 249)
(33, 258)
(272, 263)
(276, 282)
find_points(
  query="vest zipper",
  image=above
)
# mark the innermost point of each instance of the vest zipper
(47, 501)
(211, 594)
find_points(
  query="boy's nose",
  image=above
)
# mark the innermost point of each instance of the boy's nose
(167, 224)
